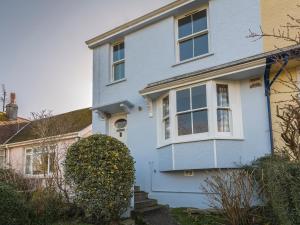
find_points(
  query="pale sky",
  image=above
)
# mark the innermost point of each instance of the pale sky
(43, 57)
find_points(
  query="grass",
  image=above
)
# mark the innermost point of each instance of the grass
(71, 223)
(183, 217)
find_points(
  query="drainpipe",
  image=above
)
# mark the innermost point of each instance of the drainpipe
(268, 84)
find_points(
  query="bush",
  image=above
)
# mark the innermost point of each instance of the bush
(232, 191)
(101, 171)
(13, 210)
(47, 206)
(280, 182)
(17, 180)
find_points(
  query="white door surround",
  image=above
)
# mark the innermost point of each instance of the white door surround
(118, 126)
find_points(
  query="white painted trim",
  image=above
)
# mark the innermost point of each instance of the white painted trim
(92, 43)
(215, 154)
(112, 63)
(236, 127)
(193, 35)
(159, 126)
(84, 131)
(173, 157)
(37, 141)
(199, 80)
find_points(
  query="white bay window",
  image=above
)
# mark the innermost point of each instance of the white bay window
(209, 110)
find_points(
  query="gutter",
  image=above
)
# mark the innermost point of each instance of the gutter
(269, 62)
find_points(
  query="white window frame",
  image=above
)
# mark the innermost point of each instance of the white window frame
(236, 127)
(200, 33)
(31, 162)
(112, 63)
(3, 156)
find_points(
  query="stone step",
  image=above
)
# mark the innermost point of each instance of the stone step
(145, 204)
(140, 196)
(148, 209)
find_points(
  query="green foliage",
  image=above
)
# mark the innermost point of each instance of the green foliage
(12, 178)
(47, 206)
(13, 209)
(185, 217)
(280, 180)
(101, 171)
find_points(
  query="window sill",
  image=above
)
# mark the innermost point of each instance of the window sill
(193, 59)
(201, 139)
(38, 176)
(116, 82)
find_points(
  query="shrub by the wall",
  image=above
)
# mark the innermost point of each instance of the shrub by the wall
(101, 171)
(47, 206)
(17, 180)
(13, 208)
(280, 179)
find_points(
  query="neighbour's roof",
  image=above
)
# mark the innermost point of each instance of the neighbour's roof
(69, 122)
(10, 127)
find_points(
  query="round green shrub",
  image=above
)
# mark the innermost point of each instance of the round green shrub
(101, 170)
(13, 209)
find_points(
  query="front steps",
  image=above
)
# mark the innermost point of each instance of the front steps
(149, 211)
(142, 203)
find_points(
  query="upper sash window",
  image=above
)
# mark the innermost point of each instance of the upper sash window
(193, 35)
(118, 61)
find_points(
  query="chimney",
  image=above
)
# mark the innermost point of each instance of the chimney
(12, 108)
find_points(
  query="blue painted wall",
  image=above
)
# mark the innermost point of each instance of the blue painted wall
(150, 57)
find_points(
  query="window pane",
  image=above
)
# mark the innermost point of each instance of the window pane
(40, 164)
(52, 162)
(2, 161)
(184, 123)
(121, 51)
(183, 100)
(118, 52)
(201, 45)
(222, 95)
(200, 121)
(199, 21)
(119, 71)
(166, 106)
(223, 120)
(186, 49)
(199, 97)
(185, 26)
(28, 164)
(167, 128)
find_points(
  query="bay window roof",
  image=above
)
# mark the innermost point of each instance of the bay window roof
(239, 69)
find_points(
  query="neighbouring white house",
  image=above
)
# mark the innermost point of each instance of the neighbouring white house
(183, 87)
(30, 153)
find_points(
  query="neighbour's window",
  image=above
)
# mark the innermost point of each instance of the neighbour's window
(166, 117)
(223, 109)
(193, 35)
(2, 158)
(39, 161)
(118, 62)
(192, 110)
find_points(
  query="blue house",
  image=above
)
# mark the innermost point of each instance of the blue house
(182, 86)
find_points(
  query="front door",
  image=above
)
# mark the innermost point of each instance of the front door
(118, 127)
